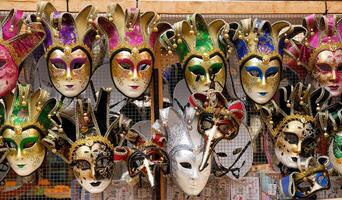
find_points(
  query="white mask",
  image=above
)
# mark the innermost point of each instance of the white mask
(185, 154)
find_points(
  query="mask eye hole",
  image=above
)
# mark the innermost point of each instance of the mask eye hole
(254, 71)
(325, 68)
(197, 70)
(11, 143)
(2, 63)
(185, 165)
(29, 144)
(305, 186)
(237, 151)
(291, 138)
(78, 63)
(272, 71)
(58, 63)
(82, 164)
(339, 68)
(222, 154)
(125, 64)
(102, 162)
(215, 68)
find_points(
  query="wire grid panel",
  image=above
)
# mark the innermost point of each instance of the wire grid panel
(55, 178)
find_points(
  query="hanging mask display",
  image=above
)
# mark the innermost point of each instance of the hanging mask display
(131, 42)
(18, 40)
(185, 153)
(307, 182)
(217, 119)
(292, 123)
(320, 51)
(198, 47)
(89, 149)
(259, 49)
(69, 44)
(146, 156)
(24, 123)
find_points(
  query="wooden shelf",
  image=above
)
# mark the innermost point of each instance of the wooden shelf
(187, 7)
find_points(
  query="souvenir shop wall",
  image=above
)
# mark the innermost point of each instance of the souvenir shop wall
(170, 100)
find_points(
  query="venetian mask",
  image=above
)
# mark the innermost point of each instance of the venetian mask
(18, 40)
(69, 70)
(217, 119)
(297, 139)
(132, 71)
(201, 74)
(185, 152)
(93, 164)
(328, 71)
(197, 45)
(26, 122)
(8, 71)
(305, 183)
(335, 153)
(131, 41)
(259, 78)
(88, 149)
(72, 48)
(234, 158)
(259, 48)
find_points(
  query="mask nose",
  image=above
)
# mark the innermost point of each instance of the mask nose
(68, 74)
(93, 175)
(134, 75)
(207, 79)
(19, 154)
(333, 77)
(195, 175)
(207, 144)
(263, 81)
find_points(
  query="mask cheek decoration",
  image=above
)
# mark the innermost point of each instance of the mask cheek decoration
(26, 152)
(93, 167)
(132, 72)
(260, 79)
(69, 71)
(8, 72)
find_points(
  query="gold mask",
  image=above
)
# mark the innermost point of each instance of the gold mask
(69, 71)
(26, 152)
(132, 71)
(203, 73)
(260, 78)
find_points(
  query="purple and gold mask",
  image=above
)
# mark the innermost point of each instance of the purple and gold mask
(320, 52)
(24, 122)
(69, 48)
(18, 40)
(131, 42)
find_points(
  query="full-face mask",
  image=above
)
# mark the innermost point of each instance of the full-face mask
(259, 48)
(185, 153)
(18, 40)
(292, 122)
(312, 178)
(69, 44)
(131, 41)
(198, 47)
(217, 119)
(89, 149)
(320, 51)
(25, 120)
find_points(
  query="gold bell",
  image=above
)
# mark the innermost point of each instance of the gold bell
(301, 102)
(240, 37)
(287, 40)
(179, 41)
(97, 37)
(326, 134)
(191, 32)
(155, 29)
(174, 45)
(288, 104)
(169, 52)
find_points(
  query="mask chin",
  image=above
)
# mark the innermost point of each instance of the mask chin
(94, 186)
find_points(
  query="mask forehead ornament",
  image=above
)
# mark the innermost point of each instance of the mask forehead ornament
(292, 122)
(199, 50)
(17, 41)
(218, 119)
(25, 120)
(89, 149)
(132, 36)
(72, 47)
(259, 48)
(320, 51)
